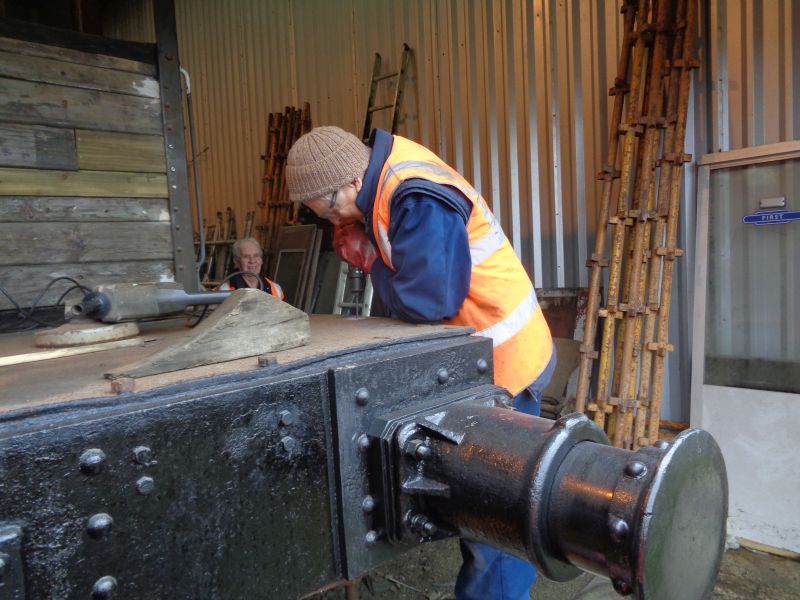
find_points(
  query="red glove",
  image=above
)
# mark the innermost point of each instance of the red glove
(352, 245)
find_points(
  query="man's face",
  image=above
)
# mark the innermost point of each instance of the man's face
(249, 259)
(339, 207)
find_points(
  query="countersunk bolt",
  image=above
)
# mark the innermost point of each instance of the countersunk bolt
(362, 396)
(368, 504)
(92, 461)
(635, 469)
(622, 587)
(364, 442)
(5, 560)
(662, 444)
(145, 485)
(104, 588)
(371, 538)
(142, 455)
(99, 525)
(483, 366)
(288, 443)
(286, 417)
(442, 376)
(619, 529)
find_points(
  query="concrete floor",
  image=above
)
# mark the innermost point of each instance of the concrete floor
(429, 572)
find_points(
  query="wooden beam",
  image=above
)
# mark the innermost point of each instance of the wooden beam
(54, 243)
(48, 104)
(74, 208)
(107, 151)
(18, 359)
(49, 70)
(39, 147)
(37, 182)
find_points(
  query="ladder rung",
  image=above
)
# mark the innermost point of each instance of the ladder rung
(387, 76)
(377, 108)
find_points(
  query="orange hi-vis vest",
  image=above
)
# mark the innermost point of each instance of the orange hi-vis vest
(501, 302)
(274, 288)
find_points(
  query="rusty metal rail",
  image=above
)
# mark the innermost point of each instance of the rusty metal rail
(643, 169)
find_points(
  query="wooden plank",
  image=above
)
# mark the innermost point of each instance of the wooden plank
(73, 208)
(53, 243)
(49, 70)
(19, 359)
(47, 104)
(26, 283)
(107, 151)
(73, 41)
(37, 147)
(38, 182)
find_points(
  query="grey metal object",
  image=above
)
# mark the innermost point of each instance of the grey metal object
(175, 151)
(12, 583)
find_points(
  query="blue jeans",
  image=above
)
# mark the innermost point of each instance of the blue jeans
(487, 573)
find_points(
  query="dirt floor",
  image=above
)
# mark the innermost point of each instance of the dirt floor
(429, 572)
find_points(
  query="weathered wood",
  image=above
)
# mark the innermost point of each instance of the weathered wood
(234, 330)
(47, 104)
(83, 334)
(49, 70)
(36, 182)
(30, 48)
(83, 42)
(37, 243)
(37, 147)
(107, 151)
(18, 359)
(49, 208)
(25, 284)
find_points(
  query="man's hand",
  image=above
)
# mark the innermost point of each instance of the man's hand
(352, 245)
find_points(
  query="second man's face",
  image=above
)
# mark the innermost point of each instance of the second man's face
(340, 207)
(250, 259)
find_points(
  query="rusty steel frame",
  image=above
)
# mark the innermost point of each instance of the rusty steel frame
(657, 55)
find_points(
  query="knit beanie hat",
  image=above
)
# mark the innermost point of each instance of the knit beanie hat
(322, 161)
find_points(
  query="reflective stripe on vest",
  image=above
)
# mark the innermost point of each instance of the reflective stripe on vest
(501, 302)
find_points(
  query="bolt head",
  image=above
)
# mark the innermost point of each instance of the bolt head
(104, 588)
(99, 525)
(364, 442)
(92, 461)
(662, 444)
(619, 529)
(423, 451)
(482, 365)
(145, 485)
(288, 443)
(371, 538)
(142, 455)
(368, 504)
(286, 417)
(442, 376)
(362, 396)
(635, 469)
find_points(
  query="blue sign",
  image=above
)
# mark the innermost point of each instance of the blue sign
(772, 217)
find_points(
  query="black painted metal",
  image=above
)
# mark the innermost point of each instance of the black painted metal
(175, 147)
(12, 582)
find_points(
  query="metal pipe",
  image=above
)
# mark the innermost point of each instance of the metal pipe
(198, 198)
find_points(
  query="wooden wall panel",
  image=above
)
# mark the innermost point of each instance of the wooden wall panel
(105, 151)
(56, 105)
(34, 182)
(29, 281)
(68, 209)
(48, 70)
(37, 147)
(53, 243)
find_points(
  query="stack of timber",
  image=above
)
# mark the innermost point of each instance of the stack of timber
(643, 172)
(83, 186)
(283, 130)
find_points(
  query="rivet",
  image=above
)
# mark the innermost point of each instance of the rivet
(619, 529)
(92, 461)
(364, 442)
(635, 469)
(142, 455)
(99, 525)
(662, 444)
(371, 538)
(368, 504)
(171, 146)
(362, 396)
(104, 588)
(483, 366)
(286, 417)
(172, 169)
(288, 443)
(145, 485)
(622, 587)
(442, 376)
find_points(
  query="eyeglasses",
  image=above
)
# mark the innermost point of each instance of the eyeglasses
(334, 196)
